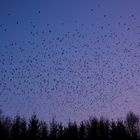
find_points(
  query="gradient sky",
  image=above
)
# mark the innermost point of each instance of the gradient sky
(69, 58)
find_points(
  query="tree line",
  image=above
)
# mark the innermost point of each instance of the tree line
(19, 128)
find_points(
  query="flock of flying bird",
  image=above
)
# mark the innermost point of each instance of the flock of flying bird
(86, 67)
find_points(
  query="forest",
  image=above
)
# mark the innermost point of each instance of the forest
(19, 128)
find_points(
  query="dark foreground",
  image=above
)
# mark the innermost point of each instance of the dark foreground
(92, 129)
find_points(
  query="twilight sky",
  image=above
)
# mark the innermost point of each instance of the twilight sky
(69, 58)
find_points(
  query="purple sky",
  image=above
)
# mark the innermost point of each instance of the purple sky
(69, 58)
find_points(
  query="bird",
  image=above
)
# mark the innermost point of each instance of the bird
(78, 67)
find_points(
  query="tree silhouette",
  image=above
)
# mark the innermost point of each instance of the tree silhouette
(92, 129)
(121, 130)
(71, 132)
(2, 129)
(6, 124)
(34, 128)
(132, 122)
(82, 131)
(23, 129)
(60, 131)
(43, 131)
(15, 130)
(103, 129)
(53, 129)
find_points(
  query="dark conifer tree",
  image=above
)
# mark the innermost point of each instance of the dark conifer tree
(72, 131)
(15, 130)
(92, 128)
(103, 129)
(53, 129)
(7, 124)
(118, 130)
(43, 131)
(82, 131)
(23, 129)
(60, 131)
(2, 127)
(132, 124)
(34, 127)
